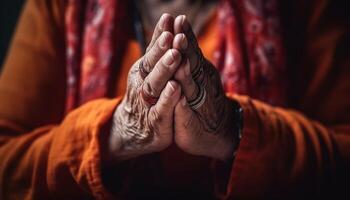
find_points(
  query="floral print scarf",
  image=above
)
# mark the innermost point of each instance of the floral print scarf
(250, 55)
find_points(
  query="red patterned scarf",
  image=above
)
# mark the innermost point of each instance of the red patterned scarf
(250, 54)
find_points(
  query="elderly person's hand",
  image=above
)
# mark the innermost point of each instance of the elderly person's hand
(204, 117)
(143, 122)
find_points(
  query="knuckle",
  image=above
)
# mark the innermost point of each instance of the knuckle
(147, 62)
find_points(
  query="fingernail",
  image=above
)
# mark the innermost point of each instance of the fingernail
(163, 39)
(183, 101)
(184, 43)
(171, 89)
(169, 58)
(185, 24)
(161, 23)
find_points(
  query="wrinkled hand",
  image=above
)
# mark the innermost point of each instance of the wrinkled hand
(171, 65)
(207, 130)
(140, 127)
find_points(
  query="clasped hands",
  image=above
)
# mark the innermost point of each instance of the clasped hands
(174, 95)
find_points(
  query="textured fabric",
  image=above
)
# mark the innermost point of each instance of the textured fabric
(286, 153)
(250, 54)
(94, 32)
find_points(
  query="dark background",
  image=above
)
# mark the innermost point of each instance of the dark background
(9, 11)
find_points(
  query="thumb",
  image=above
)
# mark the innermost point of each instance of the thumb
(185, 124)
(161, 114)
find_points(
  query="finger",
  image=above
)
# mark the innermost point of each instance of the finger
(152, 56)
(180, 42)
(161, 73)
(183, 74)
(182, 25)
(184, 115)
(161, 114)
(185, 122)
(184, 77)
(192, 138)
(193, 52)
(165, 23)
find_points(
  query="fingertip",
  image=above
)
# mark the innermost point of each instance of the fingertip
(180, 41)
(173, 84)
(171, 58)
(163, 17)
(166, 39)
(178, 24)
(172, 88)
(178, 18)
(175, 53)
(166, 16)
(184, 23)
(166, 21)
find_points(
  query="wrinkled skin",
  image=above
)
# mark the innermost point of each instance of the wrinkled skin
(141, 128)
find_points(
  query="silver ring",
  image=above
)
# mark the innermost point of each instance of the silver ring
(199, 68)
(143, 72)
(199, 100)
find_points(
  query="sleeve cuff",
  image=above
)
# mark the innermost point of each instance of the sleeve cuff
(224, 171)
(100, 116)
(254, 162)
(76, 148)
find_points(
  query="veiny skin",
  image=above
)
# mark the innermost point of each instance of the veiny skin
(140, 128)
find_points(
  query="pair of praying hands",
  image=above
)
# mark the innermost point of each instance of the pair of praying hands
(174, 95)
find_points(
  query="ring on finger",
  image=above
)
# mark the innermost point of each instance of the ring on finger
(142, 70)
(200, 99)
(199, 68)
(149, 99)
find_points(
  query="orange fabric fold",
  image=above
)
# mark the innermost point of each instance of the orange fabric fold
(58, 160)
(299, 150)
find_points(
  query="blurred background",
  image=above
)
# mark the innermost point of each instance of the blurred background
(9, 11)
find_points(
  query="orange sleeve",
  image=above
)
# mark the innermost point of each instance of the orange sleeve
(304, 150)
(282, 152)
(32, 82)
(38, 161)
(60, 160)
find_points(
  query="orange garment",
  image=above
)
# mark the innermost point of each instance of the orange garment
(300, 150)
